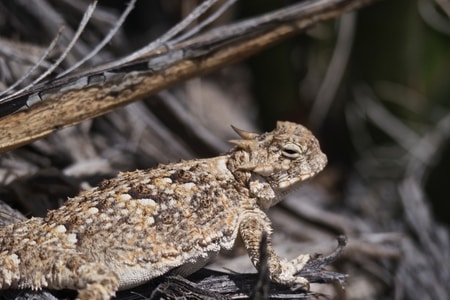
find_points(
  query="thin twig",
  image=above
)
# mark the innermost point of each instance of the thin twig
(88, 14)
(35, 66)
(106, 40)
(445, 6)
(335, 71)
(194, 15)
(433, 142)
(432, 17)
(203, 24)
(391, 125)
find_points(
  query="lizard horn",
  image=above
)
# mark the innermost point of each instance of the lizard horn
(246, 135)
(243, 144)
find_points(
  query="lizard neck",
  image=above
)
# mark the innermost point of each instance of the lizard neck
(236, 159)
(257, 186)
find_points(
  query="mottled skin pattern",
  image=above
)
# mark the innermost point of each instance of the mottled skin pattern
(175, 217)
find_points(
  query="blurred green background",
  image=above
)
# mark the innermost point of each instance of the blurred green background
(400, 50)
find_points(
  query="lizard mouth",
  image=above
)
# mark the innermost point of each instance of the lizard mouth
(287, 184)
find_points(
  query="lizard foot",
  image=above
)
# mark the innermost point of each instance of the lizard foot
(100, 283)
(288, 269)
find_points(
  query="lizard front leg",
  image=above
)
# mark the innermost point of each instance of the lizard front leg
(282, 271)
(96, 282)
(92, 280)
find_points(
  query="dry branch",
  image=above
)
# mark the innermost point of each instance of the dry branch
(70, 100)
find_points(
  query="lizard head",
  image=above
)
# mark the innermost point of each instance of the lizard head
(278, 160)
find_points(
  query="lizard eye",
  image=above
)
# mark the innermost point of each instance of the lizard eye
(292, 151)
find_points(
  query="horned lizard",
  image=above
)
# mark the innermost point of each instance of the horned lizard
(172, 218)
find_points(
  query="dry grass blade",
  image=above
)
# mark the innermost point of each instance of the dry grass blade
(204, 23)
(335, 71)
(86, 17)
(82, 26)
(194, 15)
(106, 40)
(32, 69)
